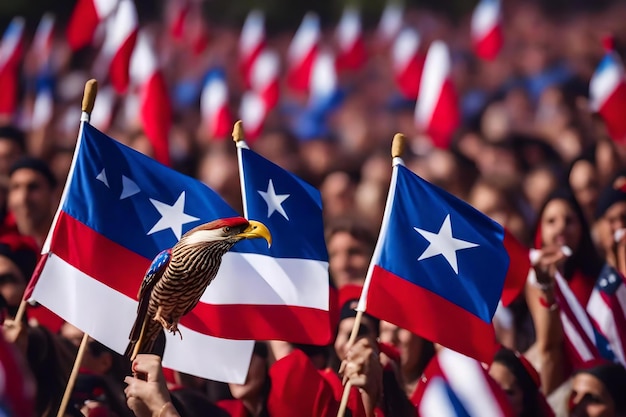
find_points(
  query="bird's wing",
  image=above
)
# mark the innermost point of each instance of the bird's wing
(154, 273)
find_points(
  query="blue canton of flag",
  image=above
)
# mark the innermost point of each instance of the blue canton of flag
(137, 202)
(288, 206)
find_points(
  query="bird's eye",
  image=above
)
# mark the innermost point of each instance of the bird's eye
(227, 229)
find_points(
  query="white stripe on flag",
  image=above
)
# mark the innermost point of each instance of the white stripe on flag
(248, 278)
(467, 379)
(575, 338)
(435, 401)
(603, 84)
(603, 316)
(579, 312)
(108, 316)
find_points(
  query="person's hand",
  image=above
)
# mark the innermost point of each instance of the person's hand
(15, 333)
(146, 393)
(364, 370)
(545, 262)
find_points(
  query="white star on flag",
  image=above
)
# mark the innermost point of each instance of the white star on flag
(172, 217)
(274, 201)
(442, 243)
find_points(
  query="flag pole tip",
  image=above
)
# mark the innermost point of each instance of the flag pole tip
(89, 96)
(238, 131)
(398, 145)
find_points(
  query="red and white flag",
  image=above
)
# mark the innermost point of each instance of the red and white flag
(408, 62)
(457, 385)
(437, 110)
(607, 92)
(214, 106)
(155, 109)
(486, 29)
(264, 77)
(391, 21)
(85, 19)
(11, 48)
(302, 51)
(252, 112)
(42, 42)
(121, 36)
(351, 51)
(251, 43)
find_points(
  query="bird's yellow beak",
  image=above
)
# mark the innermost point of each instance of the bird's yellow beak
(255, 230)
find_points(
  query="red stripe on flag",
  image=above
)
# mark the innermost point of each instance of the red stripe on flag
(8, 85)
(123, 270)
(82, 24)
(446, 116)
(97, 256)
(571, 345)
(519, 265)
(429, 315)
(156, 115)
(612, 112)
(120, 64)
(490, 44)
(299, 77)
(246, 321)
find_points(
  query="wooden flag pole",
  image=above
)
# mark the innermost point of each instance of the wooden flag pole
(89, 98)
(397, 149)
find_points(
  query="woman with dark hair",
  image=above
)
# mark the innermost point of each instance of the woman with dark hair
(565, 247)
(520, 381)
(598, 390)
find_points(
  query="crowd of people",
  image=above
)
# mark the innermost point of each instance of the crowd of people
(530, 154)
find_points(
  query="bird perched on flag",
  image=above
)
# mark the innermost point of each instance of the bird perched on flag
(178, 277)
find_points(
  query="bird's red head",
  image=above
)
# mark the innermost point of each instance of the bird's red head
(232, 222)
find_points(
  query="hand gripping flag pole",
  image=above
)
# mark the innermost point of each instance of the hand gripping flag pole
(397, 149)
(89, 98)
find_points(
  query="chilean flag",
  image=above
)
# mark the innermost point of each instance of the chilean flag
(408, 62)
(295, 268)
(264, 77)
(456, 385)
(439, 267)
(214, 105)
(121, 35)
(253, 111)
(486, 29)
(351, 52)
(251, 43)
(118, 210)
(302, 52)
(437, 110)
(155, 109)
(607, 91)
(42, 41)
(11, 48)
(86, 17)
